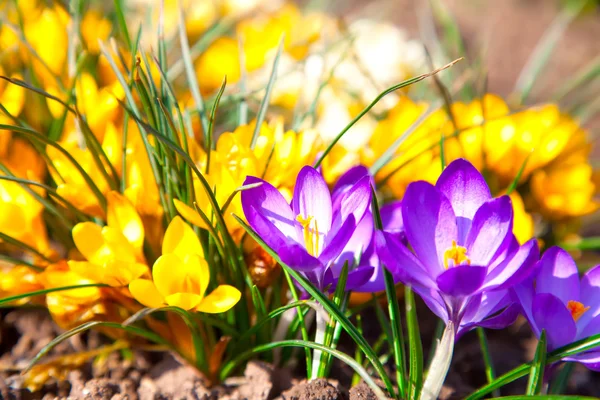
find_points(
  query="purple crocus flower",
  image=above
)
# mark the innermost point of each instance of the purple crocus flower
(360, 250)
(554, 299)
(310, 234)
(465, 256)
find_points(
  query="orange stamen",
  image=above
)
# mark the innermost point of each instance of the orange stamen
(577, 309)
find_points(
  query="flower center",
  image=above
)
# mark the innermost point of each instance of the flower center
(311, 234)
(455, 255)
(577, 309)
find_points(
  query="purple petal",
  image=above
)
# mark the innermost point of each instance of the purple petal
(558, 275)
(429, 223)
(500, 321)
(312, 198)
(359, 277)
(466, 189)
(514, 269)
(551, 314)
(403, 265)
(588, 328)
(434, 301)
(486, 304)
(524, 293)
(359, 242)
(462, 280)
(490, 231)
(391, 218)
(355, 201)
(296, 257)
(591, 359)
(375, 283)
(269, 203)
(590, 293)
(267, 230)
(335, 242)
(346, 181)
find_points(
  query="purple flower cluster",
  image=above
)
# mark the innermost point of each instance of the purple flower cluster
(452, 242)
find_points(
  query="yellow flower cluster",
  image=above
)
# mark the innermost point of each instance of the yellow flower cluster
(550, 147)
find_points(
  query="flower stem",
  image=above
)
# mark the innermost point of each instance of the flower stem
(439, 365)
(487, 358)
(321, 321)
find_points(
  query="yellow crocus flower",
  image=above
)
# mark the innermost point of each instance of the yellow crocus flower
(523, 225)
(114, 253)
(181, 276)
(94, 28)
(70, 183)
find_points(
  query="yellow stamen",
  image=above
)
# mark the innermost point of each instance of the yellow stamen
(457, 254)
(311, 236)
(577, 309)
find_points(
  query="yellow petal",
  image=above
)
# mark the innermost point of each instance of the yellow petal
(118, 273)
(123, 216)
(181, 239)
(119, 247)
(144, 291)
(166, 274)
(87, 270)
(189, 213)
(187, 301)
(220, 300)
(90, 242)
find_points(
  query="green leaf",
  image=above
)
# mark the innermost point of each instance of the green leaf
(487, 357)
(515, 182)
(211, 126)
(536, 375)
(230, 366)
(329, 307)
(16, 297)
(96, 324)
(398, 345)
(559, 383)
(381, 95)
(415, 347)
(262, 111)
(191, 76)
(543, 50)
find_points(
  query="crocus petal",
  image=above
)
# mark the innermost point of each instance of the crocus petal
(524, 293)
(220, 300)
(591, 359)
(312, 198)
(175, 275)
(403, 265)
(590, 288)
(461, 280)
(515, 268)
(296, 256)
(270, 204)
(558, 275)
(358, 277)
(434, 302)
(87, 270)
(145, 291)
(346, 181)
(189, 214)
(466, 189)
(429, 223)
(490, 231)
(335, 242)
(87, 236)
(551, 314)
(122, 215)
(355, 201)
(358, 244)
(500, 321)
(391, 217)
(268, 231)
(187, 301)
(588, 328)
(181, 239)
(484, 304)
